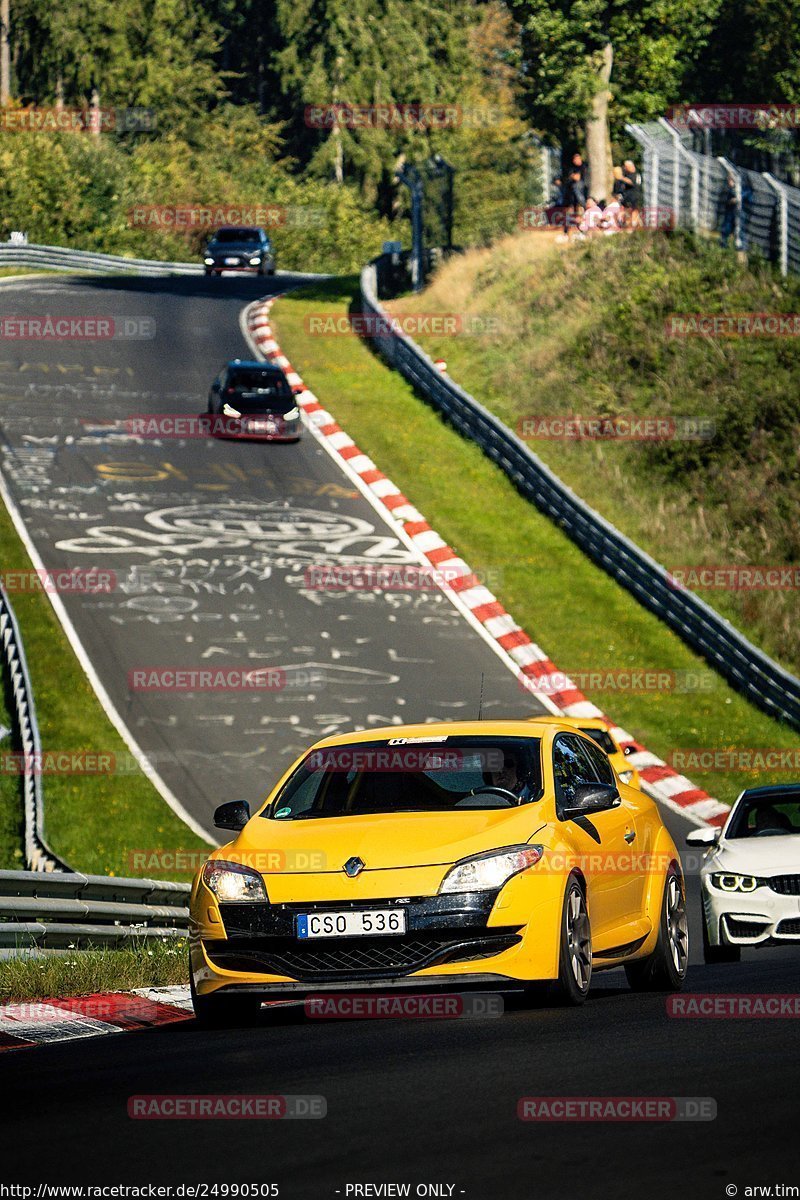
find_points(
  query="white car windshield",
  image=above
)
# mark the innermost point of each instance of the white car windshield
(773, 815)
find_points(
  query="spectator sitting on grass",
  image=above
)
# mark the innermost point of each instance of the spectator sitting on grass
(592, 220)
(613, 218)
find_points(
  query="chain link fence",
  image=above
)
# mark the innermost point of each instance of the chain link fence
(694, 185)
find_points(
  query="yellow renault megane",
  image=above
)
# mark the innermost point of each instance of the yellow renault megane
(485, 853)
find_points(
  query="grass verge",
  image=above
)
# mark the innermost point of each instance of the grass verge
(550, 331)
(564, 602)
(95, 822)
(5, 272)
(85, 972)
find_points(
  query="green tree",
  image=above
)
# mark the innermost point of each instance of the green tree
(368, 52)
(589, 66)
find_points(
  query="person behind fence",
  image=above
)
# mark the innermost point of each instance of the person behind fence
(576, 185)
(745, 208)
(556, 193)
(633, 180)
(620, 185)
(730, 207)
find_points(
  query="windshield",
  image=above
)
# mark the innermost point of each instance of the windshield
(266, 385)
(242, 236)
(603, 739)
(765, 816)
(412, 775)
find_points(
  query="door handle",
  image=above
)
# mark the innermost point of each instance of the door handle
(630, 836)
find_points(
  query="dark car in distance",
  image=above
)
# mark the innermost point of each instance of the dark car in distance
(254, 400)
(240, 248)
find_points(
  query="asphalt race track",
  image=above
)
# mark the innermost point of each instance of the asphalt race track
(212, 545)
(408, 1101)
(430, 1101)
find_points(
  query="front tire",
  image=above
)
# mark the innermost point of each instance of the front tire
(575, 956)
(221, 1011)
(665, 969)
(713, 955)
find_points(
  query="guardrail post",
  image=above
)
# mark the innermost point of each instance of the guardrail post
(783, 221)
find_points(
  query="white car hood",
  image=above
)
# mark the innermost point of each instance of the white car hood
(759, 856)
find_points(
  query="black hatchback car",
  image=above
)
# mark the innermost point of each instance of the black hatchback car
(240, 248)
(254, 400)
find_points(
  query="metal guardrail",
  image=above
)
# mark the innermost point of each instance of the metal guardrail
(38, 854)
(59, 911)
(746, 667)
(60, 258)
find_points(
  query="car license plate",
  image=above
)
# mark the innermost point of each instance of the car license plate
(367, 923)
(262, 426)
(231, 262)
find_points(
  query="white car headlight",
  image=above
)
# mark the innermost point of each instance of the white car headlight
(728, 882)
(292, 414)
(487, 872)
(255, 262)
(232, 883)
(626, 776)
(209, 262)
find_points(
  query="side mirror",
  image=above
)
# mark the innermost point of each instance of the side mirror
(629, 750)
(591, 798)
(703, 837)
(233, 815)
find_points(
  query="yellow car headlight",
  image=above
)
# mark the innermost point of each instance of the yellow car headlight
(727, 882)
(232, 883)
(488, 872)
(626, 776)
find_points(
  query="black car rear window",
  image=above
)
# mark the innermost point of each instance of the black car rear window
(279, 405)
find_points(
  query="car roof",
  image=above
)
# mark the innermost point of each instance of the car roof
(440, 729)
(253, 364)
(574, 722)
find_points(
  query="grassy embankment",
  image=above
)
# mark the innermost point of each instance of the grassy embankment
(568, 605)
(581, 330)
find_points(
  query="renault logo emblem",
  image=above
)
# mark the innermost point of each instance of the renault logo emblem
(353, 867)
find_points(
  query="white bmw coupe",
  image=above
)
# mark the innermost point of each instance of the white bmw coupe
(750, 877)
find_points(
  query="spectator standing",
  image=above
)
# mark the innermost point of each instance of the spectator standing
(730, 206)
(634, 185)
(556, 193)
(576, 187)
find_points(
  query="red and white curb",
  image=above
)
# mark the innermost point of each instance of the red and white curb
(42, 1022)
(484, 611)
